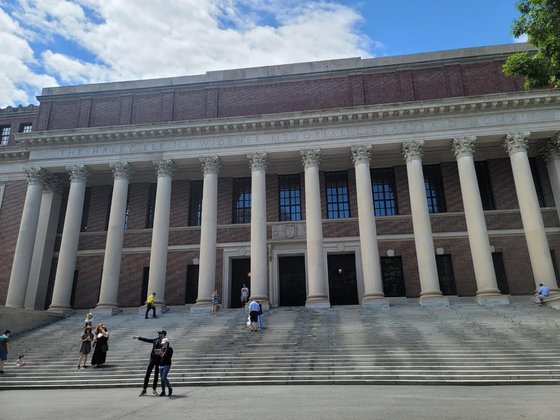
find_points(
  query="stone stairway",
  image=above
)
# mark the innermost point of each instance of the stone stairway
(407, 344)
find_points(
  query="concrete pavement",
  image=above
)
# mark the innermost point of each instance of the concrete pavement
(322, 402)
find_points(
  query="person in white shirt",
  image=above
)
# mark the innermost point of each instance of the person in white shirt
(254, 315)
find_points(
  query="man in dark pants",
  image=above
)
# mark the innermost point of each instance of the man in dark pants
(155, 359)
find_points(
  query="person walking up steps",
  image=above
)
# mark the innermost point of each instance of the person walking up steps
(155, 360)
(166, 353)
(150, 305)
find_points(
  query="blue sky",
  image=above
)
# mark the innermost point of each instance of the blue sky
(47, 43)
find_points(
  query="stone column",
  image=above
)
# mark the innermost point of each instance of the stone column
(17, 287)
(43, 250)
(487, 286)
(427, 269)
(371, 264)
(551, 154)
(316, 278)
(160, 232)
(208, 228)
(259, 254)
(62, 291)
(108, 293)
(516, 145)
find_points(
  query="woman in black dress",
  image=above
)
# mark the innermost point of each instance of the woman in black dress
(100, 342)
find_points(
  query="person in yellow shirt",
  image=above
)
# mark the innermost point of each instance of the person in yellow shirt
(150, 306)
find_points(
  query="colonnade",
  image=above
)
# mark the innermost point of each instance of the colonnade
(317, 283)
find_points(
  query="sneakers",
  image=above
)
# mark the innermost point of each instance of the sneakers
(154, 392)
(142, 393)
(79, 367)
(162, 394)
(170, 391)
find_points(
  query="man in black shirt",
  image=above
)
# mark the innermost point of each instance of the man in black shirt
(155, 360)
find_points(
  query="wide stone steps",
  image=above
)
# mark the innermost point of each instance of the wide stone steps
(406, 344)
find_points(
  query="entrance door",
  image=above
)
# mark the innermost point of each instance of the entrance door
(240, 275)
(343, 287)
(144, 291)
(500, 270)
(191, 289)
(393, 280)
(292, 281)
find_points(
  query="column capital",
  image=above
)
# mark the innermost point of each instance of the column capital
(258, 161)
(310, 157)
(361, 153)
(551, 150)
(121, 170)
(35, 175)
(78, 173)
(210, 164)
(412, 150)
(164, 167)
(517, 142)
(54, 183)
(463, 146)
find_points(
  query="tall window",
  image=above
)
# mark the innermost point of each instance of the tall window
(151, 208)
(483, 178)
(85, 212)
(242, 200)
(433, 185)
(384, 197)
(445, 274)
(4, 134)
(537, 181)
(195, 204)
(289, 191)
(25, 128)
(338, 206)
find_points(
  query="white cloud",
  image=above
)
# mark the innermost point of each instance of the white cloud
(19, 84)
(137, 39)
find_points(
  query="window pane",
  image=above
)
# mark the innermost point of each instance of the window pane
(384, 197)
(242, 200)
(289, 192)
(484, 185)
(445, 274)
(434, 188)
(338, 205)
(5, 135)
(151, 206)
(195, 208)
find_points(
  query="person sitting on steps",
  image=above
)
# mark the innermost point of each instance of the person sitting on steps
(542, 292)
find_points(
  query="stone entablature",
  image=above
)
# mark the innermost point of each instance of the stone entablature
(19, 110)
(464, 116)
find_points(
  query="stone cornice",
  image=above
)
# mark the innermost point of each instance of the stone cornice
(19, 109)
(270, 122)
(13, 153)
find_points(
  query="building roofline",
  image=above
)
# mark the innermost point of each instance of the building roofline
(296, 69)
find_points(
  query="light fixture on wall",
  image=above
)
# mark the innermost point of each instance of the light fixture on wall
(339, 271)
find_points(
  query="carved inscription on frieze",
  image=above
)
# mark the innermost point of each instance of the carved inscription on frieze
(288, 231)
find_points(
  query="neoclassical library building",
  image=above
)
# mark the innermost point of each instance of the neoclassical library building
(341, 182)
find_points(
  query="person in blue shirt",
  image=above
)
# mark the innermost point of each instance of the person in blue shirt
(542, 292)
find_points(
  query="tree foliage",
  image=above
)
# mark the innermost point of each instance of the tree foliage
(540, 20)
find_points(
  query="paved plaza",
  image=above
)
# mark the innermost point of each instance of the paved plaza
(322, 402)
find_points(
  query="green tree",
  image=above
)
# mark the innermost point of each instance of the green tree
(540, 20)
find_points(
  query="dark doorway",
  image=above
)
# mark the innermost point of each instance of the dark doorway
(445, 274)
(74, 285)
(292, 281)
(500, 270)
(343, 288)
(240, 274)
(191, 289)
(144, 291)
(393, 279)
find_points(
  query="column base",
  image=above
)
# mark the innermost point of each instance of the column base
(434, 301)
(101, 310)
(553, 301)
(64, 310)
(201, 308)
(489, 300)
(375, 303)
(317, 302)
